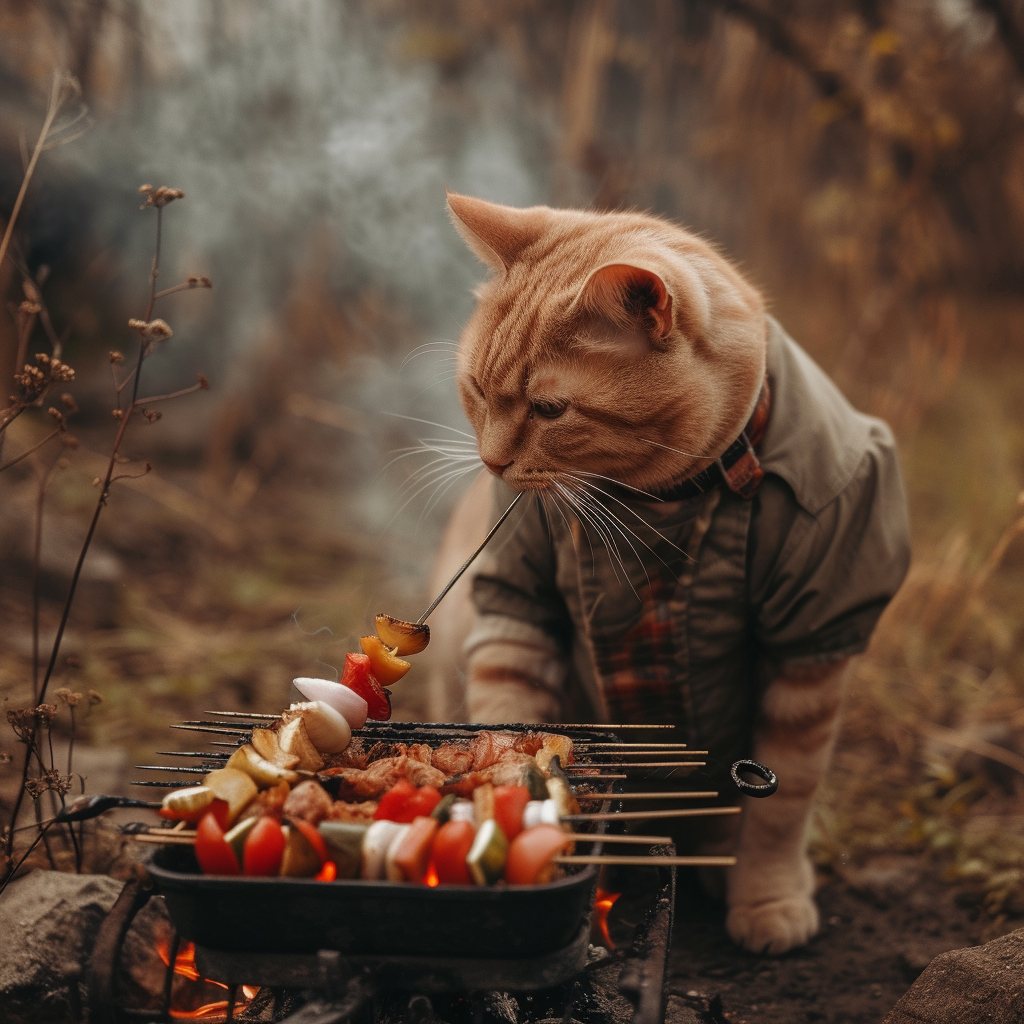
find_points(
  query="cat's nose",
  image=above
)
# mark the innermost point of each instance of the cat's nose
(496, 468)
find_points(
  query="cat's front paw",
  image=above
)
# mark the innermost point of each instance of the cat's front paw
(774, 926)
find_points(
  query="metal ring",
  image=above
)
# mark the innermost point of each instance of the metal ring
(771, 782)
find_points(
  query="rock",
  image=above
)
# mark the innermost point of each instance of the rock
(977, 985)
(50, 921)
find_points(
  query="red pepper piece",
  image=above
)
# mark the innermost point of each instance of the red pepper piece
(215, 856)
(357, 676)
(425, 800)
(313, 836)
(509, 803)
(451, 846)
(264, 848)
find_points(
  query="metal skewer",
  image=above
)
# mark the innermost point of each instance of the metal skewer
(469, 561)
(634, 764)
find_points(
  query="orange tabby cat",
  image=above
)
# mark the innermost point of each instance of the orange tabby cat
(715, 530)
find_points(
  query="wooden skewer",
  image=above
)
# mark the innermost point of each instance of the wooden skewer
(641, 764)
(618, 746)
(243, 714)
(601, 797)
(589, 837)
(679, 752)
(678, 812)
(615, 858)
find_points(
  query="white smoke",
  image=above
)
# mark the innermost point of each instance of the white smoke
(289, 118)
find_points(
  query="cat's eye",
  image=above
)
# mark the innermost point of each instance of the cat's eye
(549, 410)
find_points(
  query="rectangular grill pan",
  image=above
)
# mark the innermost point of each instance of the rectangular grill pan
(376, 917)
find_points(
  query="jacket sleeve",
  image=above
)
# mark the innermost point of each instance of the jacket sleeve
(517, 653)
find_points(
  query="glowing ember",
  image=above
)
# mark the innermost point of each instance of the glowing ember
(602, 905)
(328, 873)
(432, 880)
(185, 967)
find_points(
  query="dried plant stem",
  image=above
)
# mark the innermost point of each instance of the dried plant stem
(28, 451)
(100, 504)
(52, 108)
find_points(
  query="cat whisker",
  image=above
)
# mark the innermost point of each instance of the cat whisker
(444, 476)
(614, 523)
(636, 515)
(619, 483)
(440, 491)
(586, 516)
(430, 423)
(668, 447)
(428, 348)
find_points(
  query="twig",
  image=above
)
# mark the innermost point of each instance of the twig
(29, 451)
(12, 871)
(173, 394)
(37, 544)
(52, 107)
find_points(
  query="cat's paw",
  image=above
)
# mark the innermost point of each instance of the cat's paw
(774, 926)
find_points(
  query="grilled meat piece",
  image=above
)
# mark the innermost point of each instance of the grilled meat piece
(381, 775)
(308, 801)
(508, 771)
(353, 813)
(452, 759)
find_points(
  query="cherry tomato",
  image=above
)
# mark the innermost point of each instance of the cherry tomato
(530, 854)
(509, 803)
(393, 804)
(215, 856)
(451, 845)
(264, 848)
(424, 801)
(357, 676)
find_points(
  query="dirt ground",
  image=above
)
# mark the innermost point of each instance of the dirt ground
(877, 936)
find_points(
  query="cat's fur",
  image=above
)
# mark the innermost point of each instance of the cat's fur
(644, 334)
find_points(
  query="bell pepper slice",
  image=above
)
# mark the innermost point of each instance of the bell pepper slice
(215, 855)
(486, 857)
(452, 844)
(264, 848)
(424, 801)
(443, 808)
(344, 845)
(394, 803)
(509, 804)
(236, 836)
(530, 854)
(385, 664)
(412, 857)
(358, 676)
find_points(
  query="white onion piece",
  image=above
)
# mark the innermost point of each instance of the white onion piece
(532, 813)
(375, 847)
(326, 728)
(343, 699)
(549, 813)
(462, 810)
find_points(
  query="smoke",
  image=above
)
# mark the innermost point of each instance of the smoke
(288, 121)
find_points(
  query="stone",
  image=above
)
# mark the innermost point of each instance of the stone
(48, 926)
(977, 985)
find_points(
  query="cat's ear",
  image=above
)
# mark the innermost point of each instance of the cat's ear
(497, 234)
(630, 297)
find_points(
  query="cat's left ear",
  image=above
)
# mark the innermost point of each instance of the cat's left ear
(630, 297)
(497, 234)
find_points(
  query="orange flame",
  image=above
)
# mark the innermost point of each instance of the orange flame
(602, 905)
(328, 873)
(431, 877)
(185, 966)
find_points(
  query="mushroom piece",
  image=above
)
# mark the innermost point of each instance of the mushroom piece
(401, 636)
